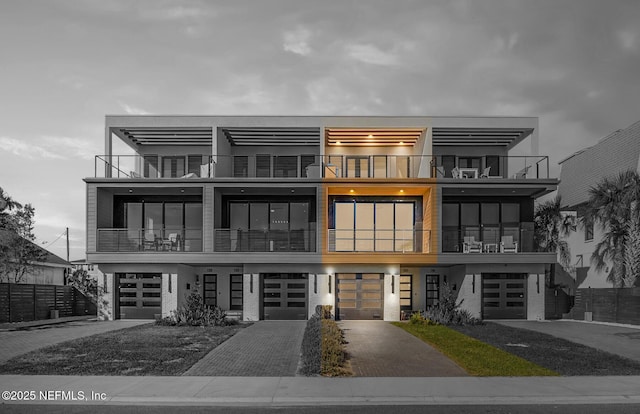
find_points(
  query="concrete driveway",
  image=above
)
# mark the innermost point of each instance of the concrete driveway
(618, 340)
(379, 349)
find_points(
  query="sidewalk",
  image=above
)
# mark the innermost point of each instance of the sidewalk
(303, 391)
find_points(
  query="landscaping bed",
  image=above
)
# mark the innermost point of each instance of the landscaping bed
(323, 351)
(562, 356)
(141, 350)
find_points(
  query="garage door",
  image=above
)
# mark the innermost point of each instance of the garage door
(359, 295)
(284, 296)
(504, 296)
(139, 295)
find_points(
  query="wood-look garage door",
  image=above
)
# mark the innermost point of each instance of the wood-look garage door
(504, 296)
(139, 295)
(284, 296)
(360, 295)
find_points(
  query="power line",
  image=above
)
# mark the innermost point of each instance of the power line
(58, 238)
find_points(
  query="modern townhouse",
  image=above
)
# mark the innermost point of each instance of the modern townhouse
(269, 216)
(613, 154)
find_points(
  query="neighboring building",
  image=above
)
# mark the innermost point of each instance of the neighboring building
(51, 270)
(613, 154)
(269, 216)
(92, 270)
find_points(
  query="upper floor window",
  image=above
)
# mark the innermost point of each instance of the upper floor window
(588, 230)
(382, 226)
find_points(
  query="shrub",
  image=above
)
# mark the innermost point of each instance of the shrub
(310, 359)
(324, 311)
(334, 356)
(447, 311)
(194, 313)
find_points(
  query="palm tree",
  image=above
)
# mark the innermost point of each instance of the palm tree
(611, 206)
(551, 227)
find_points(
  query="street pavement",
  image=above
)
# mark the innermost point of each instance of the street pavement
(321, 391)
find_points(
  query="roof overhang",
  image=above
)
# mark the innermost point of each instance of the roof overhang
(462, 136)
(368, 137)
(272, 136)
(165, 136)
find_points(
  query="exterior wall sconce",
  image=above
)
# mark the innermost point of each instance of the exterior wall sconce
(251, 284)
(473, 286)
(315, 283)
(329, 283)
(393, 284)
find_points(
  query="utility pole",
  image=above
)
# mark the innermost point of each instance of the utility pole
(67, 244)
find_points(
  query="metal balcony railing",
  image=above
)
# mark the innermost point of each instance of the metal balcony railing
(228, 240)
(146, 240)
(487, 239)
(379, 240)
(315, 166)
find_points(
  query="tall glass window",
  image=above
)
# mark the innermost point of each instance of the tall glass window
(193, 227)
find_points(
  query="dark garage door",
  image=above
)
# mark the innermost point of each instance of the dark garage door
(284, 296)
(360, 295)
(139, 295)
(504, 296)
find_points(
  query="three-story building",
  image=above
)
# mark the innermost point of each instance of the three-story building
(269, 216)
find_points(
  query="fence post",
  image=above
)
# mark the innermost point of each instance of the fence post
(55, 297)
(34, 303)
(9, 301)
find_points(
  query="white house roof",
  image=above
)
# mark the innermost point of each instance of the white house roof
(617, 152)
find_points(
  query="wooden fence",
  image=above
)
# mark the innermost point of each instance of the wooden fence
(607, 305)
(556, 303)
(23, 302)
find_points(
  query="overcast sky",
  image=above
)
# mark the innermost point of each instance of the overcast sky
(65, 64)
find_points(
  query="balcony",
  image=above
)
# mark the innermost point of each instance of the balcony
(379, 241)
(142, 240)
(499, 239)
(314, 166)
(228, 240)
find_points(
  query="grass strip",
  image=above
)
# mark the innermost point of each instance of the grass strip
(140, 350)
(475, 357)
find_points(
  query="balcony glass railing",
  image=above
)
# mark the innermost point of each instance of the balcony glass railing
(379, 240)
(499, 239)
(228, 240)
(145, 240)
(315, 166)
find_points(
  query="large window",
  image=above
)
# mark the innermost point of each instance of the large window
(380, 225)
(158, 225)
(277, 225)
(485, 221)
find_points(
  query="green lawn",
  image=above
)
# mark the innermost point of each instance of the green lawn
(141, 350)
(475, 357)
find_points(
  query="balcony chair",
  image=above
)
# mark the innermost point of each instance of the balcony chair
(455, 173)
(149, 241)
(522, 174)
(485, 173)
(171, 243)
(507, 245)
(470, 245)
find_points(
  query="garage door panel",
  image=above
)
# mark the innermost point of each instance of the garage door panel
(359, 295)
(284, 296)
(504, 296)
(139, 295)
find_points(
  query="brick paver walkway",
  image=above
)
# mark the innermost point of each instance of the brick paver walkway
(379, 349)
(14, 343)
(264, 349)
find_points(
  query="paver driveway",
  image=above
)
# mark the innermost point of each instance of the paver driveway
(379, 349)
(264, 349)
(14, 343)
